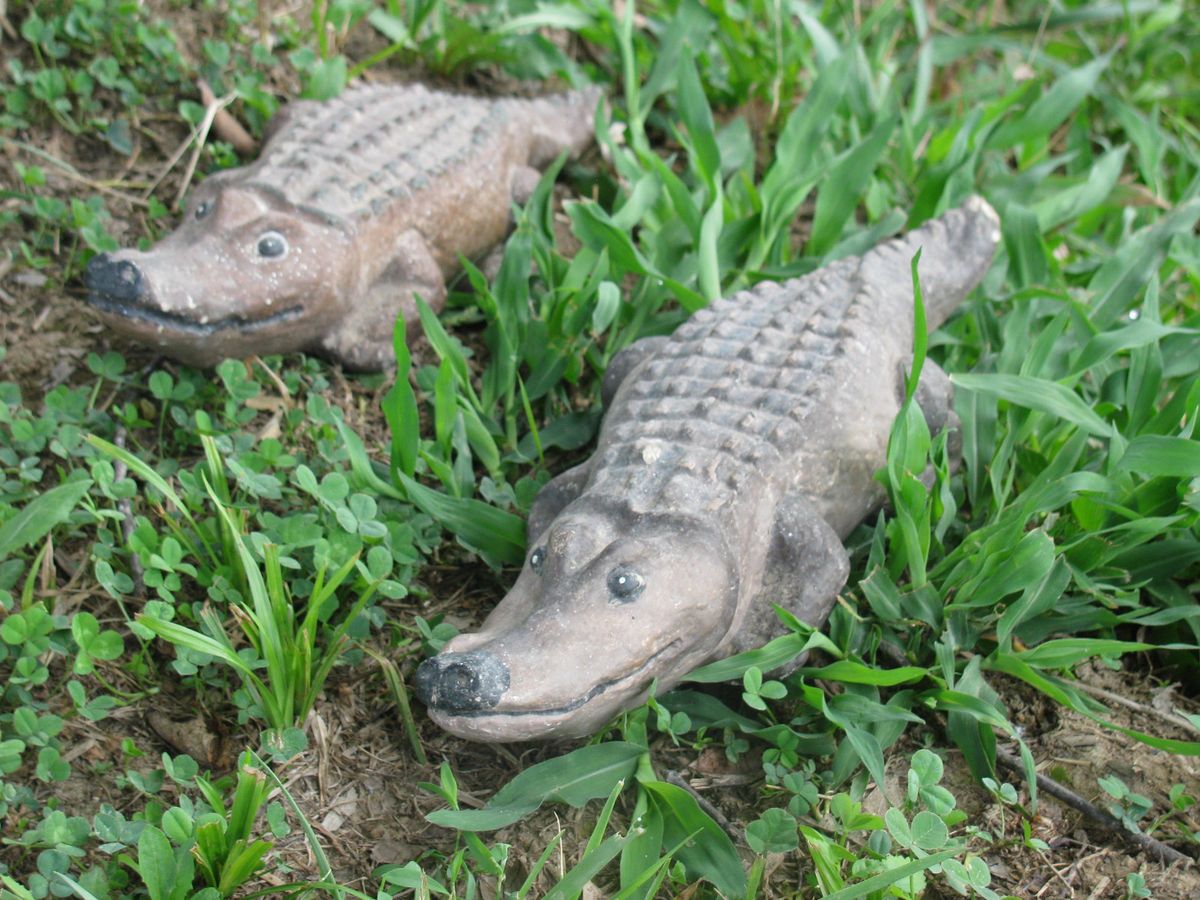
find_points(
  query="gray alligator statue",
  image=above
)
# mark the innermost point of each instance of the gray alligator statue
(733, 459)
(354, 206)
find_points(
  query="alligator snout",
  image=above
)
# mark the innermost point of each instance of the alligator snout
(117, 281)
(462, 682)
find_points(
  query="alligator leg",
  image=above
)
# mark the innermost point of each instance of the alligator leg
(935, 396)
(558, 124)
(625, 362)
(524, 181)
(554, 495)
(363, 339)
(522, 185)
(806, 566)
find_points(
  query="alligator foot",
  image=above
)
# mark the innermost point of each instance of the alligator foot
(363, 338)
(806, 566)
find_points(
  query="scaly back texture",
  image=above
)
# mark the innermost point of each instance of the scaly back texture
(724, 396)
(352, 156)
(731, 397)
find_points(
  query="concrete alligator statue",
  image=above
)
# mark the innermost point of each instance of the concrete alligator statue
(353, 207)
(733, 459)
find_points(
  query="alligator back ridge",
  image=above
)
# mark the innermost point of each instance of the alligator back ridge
(382, 144)
(723, 402)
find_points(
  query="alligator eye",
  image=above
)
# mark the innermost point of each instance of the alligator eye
(203, 209)
(537, 560)
(272, 245)
(624, 584)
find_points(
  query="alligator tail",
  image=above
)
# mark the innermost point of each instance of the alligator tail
(562, 122)
(956, 251)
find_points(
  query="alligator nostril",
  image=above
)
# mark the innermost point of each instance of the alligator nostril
(462, 682)
(119, 280)
(458, 680)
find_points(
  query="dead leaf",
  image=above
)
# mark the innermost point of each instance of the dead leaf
(225, 126)
(194, 736)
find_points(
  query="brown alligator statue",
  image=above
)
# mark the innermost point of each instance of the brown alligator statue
(354, 206)
(733, 459)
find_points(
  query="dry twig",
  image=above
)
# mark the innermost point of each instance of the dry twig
(673, 777)
(201, 136)
(227, 128)
(1112, 697)
(1151, 846)
(69, 171)
(197, 136)
(120, 470)
(5, 25)
(284, 393)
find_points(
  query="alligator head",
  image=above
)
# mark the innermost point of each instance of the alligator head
(600, 610)
(246, 272)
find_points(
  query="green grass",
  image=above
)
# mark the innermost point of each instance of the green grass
(740, 144)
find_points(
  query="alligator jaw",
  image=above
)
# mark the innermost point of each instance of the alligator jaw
(160, 320)
(578, 718)
(122, 290)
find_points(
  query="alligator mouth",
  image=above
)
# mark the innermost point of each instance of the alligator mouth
(179, 322)
(575, 704)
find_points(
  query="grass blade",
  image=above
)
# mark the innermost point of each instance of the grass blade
(1124, 274)
(1051, 108)
(891, 876)
(1038, 394)
(1154, 455)
(40, 515)
(400, 407)
(844, 183)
